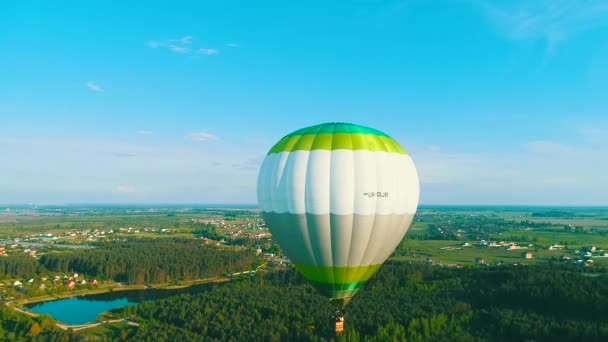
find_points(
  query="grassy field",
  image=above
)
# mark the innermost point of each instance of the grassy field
(453, 252)
(419, 250)
(546, 238)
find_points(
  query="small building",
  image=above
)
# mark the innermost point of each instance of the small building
(480, 261)
(590, 249)
(17, 283)
(527, 255)
(70, 284)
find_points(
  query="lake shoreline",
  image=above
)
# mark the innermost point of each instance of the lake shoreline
(112, 288)
(20, 305)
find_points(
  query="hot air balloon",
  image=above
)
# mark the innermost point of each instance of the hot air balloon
(338, 198)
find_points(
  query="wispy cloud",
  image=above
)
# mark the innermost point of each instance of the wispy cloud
(202, 136)
(233, 45)
(123, 155)
(124, 189)
(183, 46)
(596, 136)
(144, 132)
(94, 86)
(549, 147)
(154, 44)
(183, 40)
(251, 164)
(178, 49)
(208, 52)
(553, 21)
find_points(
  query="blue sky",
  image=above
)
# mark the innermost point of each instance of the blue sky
(177, 102)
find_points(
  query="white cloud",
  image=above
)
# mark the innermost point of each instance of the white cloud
(208, 52)
(184, 40)
(179, 172)
(550, 20)
(94, 86)
(549, 147)
(183, 46)
(124, 189)
(233, 45)
(202, 136)
(145, 132)
(178, 49)
(123, 155)
(250, 164)
(595, 136)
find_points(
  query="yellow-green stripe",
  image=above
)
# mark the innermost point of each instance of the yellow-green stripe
(337, 275)
(337, 141)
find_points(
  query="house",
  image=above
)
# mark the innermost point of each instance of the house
(480, 261)
(17, 283)
(70, 284)
(93, 281)
(589, 249)
(42, 286)
(527, 255)
(514, 246)
(83, 282)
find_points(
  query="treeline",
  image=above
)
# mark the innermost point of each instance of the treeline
(151, 261)
(16, 326)
(209, 231)
(405, 301)
(18, 265)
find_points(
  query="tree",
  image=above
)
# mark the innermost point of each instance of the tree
(35, 330)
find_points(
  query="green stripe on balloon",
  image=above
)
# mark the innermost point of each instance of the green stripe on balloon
(337, 275)
(337, 141)
(339, 291)
(337, 127)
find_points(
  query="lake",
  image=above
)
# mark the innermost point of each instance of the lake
(85, 309)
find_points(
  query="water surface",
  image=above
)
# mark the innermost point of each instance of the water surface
(86, 309)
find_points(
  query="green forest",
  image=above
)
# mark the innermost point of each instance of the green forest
(149, 261)
(405, 302)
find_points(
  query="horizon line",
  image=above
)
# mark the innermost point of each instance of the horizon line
(255, 204)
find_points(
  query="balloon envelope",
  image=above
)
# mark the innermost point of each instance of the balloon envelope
(338, 199)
